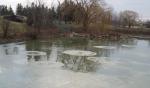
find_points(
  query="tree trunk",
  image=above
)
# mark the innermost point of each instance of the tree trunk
(5, 33)
(85, 26)
(129, 25)
(5, 28)
(85, 23)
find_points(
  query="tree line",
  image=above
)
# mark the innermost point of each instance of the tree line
(79, 12)
(83, 12)
(4, 10)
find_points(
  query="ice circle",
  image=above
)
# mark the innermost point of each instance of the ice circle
(79, 53)
(35, 53)
(105, 47)
(128, 46)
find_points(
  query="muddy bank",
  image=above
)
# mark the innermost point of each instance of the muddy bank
(114, 34)
(133, 31)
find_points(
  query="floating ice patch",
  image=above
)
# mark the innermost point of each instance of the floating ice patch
(128, 46)
(20, 43)
(36, 56)
(94, 59)
(105, 47)
(79, 53)
(35, 53)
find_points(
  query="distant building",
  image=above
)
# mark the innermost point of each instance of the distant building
(15, 18)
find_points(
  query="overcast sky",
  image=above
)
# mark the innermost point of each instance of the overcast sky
(140, 6)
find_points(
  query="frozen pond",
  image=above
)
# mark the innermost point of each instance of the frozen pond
(122, 67)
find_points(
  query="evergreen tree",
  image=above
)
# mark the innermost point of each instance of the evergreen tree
(19, 10)
(10, 11)
(4, 10)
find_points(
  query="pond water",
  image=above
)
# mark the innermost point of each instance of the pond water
(123, 67)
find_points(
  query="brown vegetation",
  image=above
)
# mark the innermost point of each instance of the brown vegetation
(83, 18)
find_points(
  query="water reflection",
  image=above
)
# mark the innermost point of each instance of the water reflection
(81, 64)
(6, 51)
(16, 50)
(54, 51)
(36, 58)
(123, 67)
(10, 49)
(54, 54)
(104, 52)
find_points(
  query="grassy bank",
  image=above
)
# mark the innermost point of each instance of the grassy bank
(133, 31)
(15, 28)
(21, 31)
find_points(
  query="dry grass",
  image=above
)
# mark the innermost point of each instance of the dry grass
(15, 28)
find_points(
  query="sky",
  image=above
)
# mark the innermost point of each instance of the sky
(140, 6)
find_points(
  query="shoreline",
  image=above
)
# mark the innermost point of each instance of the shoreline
(104, 36)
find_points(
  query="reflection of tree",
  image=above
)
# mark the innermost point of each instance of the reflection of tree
(54, 53)
(33, 45)
(36, 58)
(6, 51)
(76, 63)
(149, 43)
(11, 50)
(101, 52)
(75, 43)
(37, 45)
(127, 41)
(15, 50)
(104, 52)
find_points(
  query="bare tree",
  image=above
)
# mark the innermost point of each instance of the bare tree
(5, 27)
(85, 12)
(106, 18)
(128, 18)
(89, 11)
(59, 11)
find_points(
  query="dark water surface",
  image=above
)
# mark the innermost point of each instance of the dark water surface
(123, 67)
